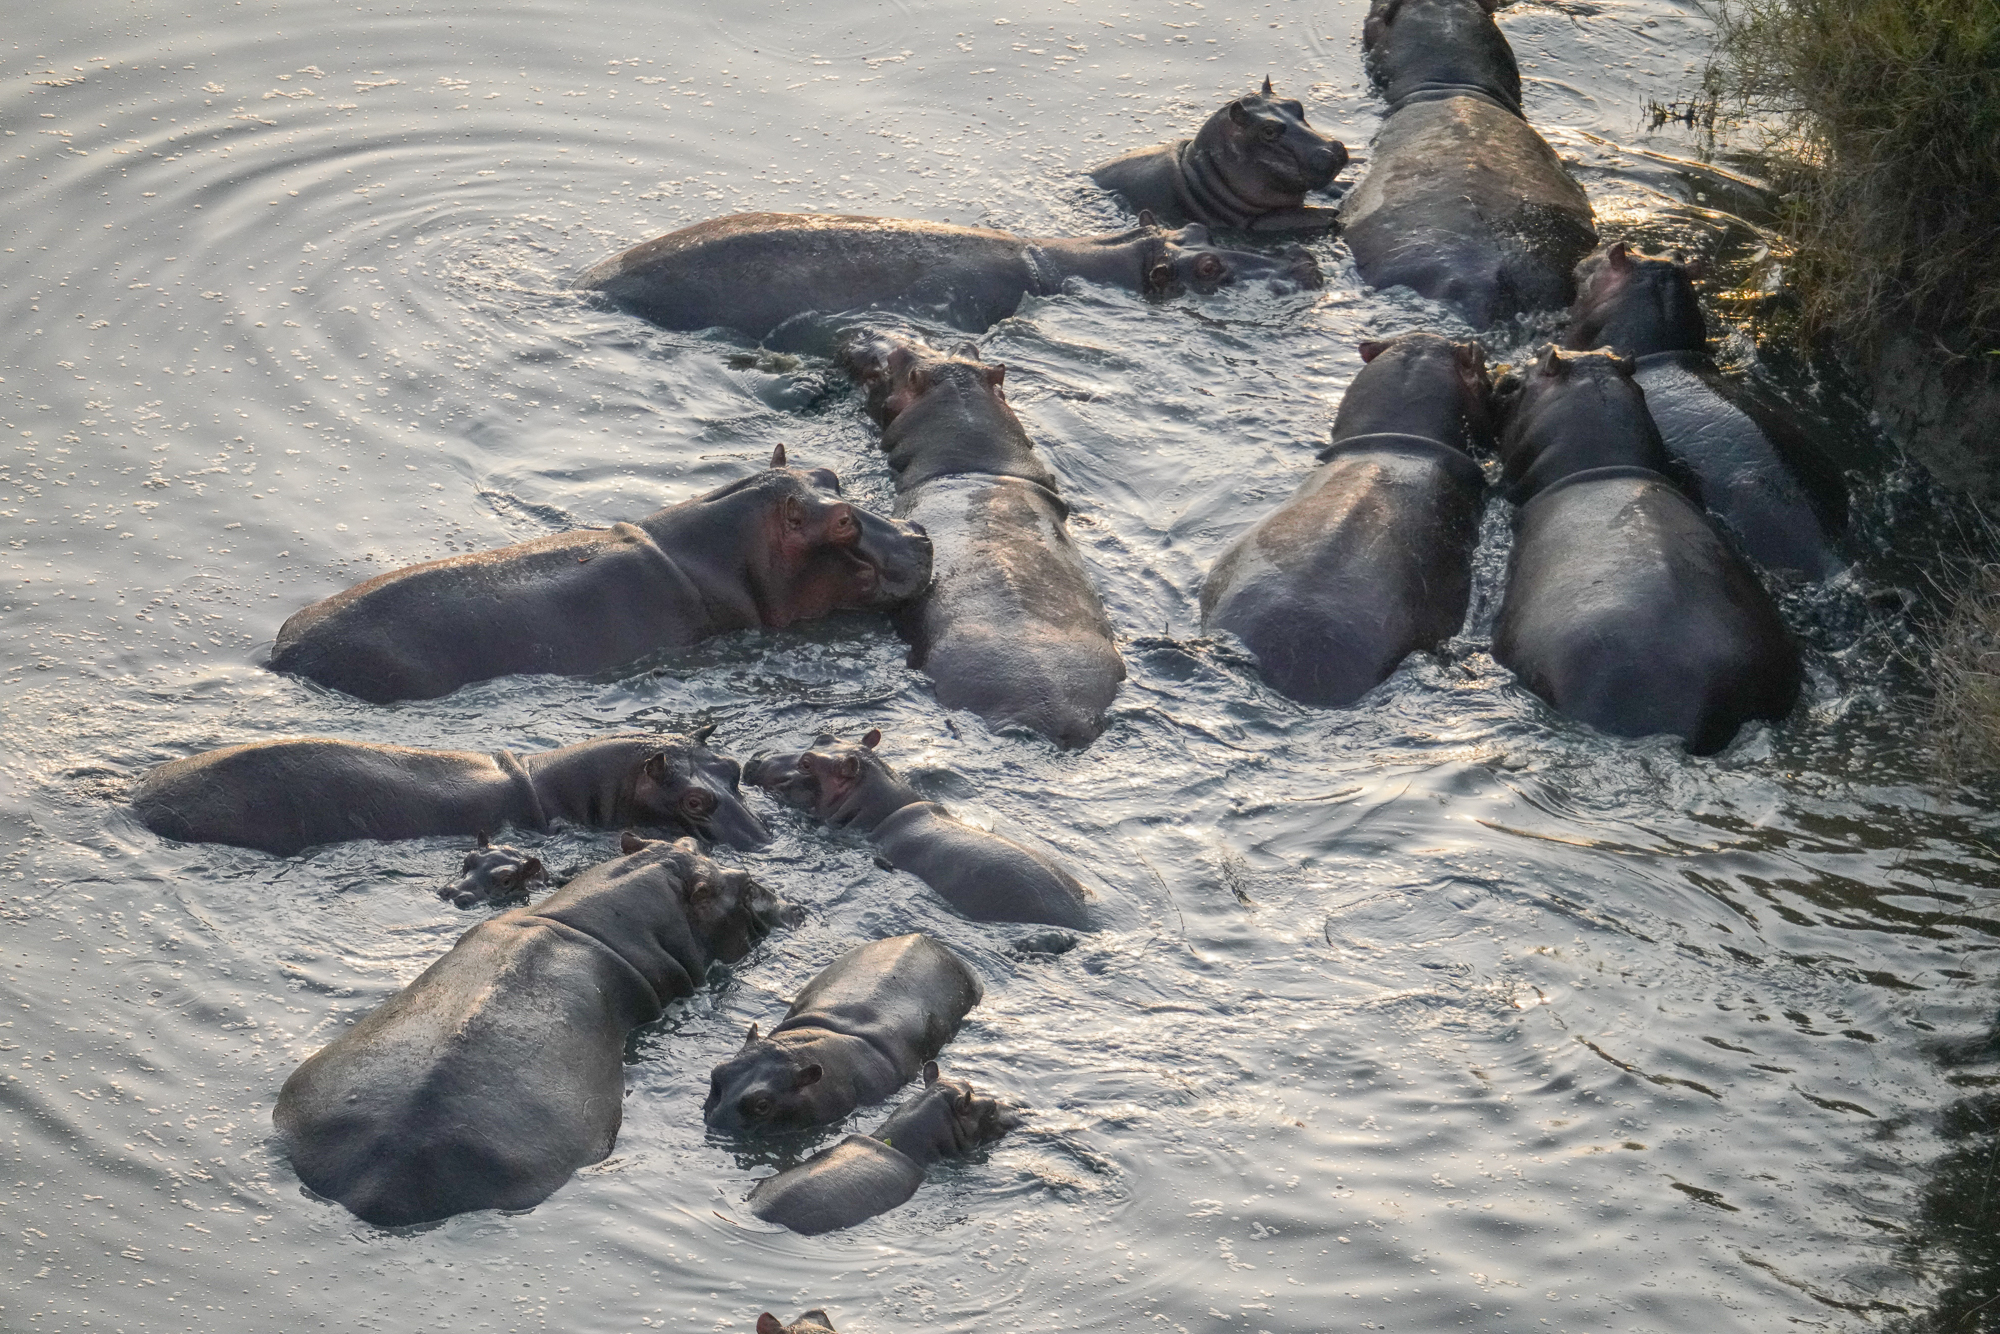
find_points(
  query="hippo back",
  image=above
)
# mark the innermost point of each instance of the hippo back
(907, 988)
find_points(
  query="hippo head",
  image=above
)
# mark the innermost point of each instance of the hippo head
(764, 1089)
(1421, 384)
(1176, 262)
(838, 783)
(945, 1120)
(1636, 304)
(1415, 49)
(1266, 154)
(895, 372)
(814, 1321)
(725, 909)
(810, 552)
(689, 788)
(493, 875)
(1574, 411)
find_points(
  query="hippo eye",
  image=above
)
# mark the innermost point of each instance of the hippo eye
(756, 1107)
(1208, 266)
(1270, 132)
(698, 802)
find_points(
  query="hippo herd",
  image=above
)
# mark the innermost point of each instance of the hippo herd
(1648, 490)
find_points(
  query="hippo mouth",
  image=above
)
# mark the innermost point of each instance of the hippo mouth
(729, 821)
(888, 567)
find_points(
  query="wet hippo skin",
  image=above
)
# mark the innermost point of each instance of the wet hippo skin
(499, 1071)
(984, 876)
(1250, 167)
(1011, 627)
(1371, 558)
(755, 272)
(866, 1175)
(1463, 202)
(288, 795)
(810, 1322)
(1625, 608)
(777, 547)
(1755, 468)
(858, 1032)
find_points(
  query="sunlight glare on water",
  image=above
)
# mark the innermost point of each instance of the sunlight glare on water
(1433, 1013)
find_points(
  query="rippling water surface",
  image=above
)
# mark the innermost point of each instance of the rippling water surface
(1433, 1013)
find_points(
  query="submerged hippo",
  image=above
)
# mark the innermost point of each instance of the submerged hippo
(1011, 627)
(866, 1175)
(984, 876)
(858, 1032)
(494, 873)
(1625, 609)
(814, 1321)
(1756, 469)
(1250, 166)
(755, 271)
(1463, 202)
(289, 795)
(1371, 558)
(500, 1071)
(776, 547)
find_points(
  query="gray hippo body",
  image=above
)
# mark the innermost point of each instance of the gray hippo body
(500, 1070)
(1625, 608)
(755, 272)
(1371, 558)
(1755, 468)
(1463, 202)
(814, 1321)
(777, 547)
(288, 795)
(858, 1032)
(1250, 166)
(984, 876)
(866, 1175)
(1011, 627)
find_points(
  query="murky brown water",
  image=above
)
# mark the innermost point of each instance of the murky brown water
(1433, 1013)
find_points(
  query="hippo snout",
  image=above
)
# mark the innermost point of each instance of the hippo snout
(1327, 162)
(1304, 269)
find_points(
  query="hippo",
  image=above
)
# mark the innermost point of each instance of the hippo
(859, 1031)
(866, 1175)
(1011, 627)
(500, 1071)
(776, 547)
(284, 796)
(814, 1321)
(1756, 470)
(1625, 608)
(984, 876)
(494, 873)
(1250, 166)
(1371, 558)
(1463, 202)
(755, 272)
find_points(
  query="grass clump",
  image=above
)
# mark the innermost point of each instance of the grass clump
(1886, 140)
(1965, 672)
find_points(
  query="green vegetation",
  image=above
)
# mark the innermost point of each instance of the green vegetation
(1885, 119)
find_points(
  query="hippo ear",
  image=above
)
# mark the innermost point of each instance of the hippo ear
(901, 359)
(768, 1324)
(1237, 113)
(968, 350)
(1146, 219)
(1471, 357)
(703, 733)
(1160, 277)
(1372, 348)
(1267, 85)
(873, 739)
(483, 843)
(656, 766)
(751, 1039)
(930, 1073)
(531, 869)
(996, 375)
(629, 843)
(778, 456)
(700, 892)
(1552, 363)
(687, 845)
(808, 1076)
(1624, 365)
(1619, 255)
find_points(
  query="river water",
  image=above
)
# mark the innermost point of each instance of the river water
(1433, 1013)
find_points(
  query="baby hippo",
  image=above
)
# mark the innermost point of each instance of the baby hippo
(494, 875)
(865, 1175)
(984, 876)
(859, 1031)
(814, 1321)
(1251, 166)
